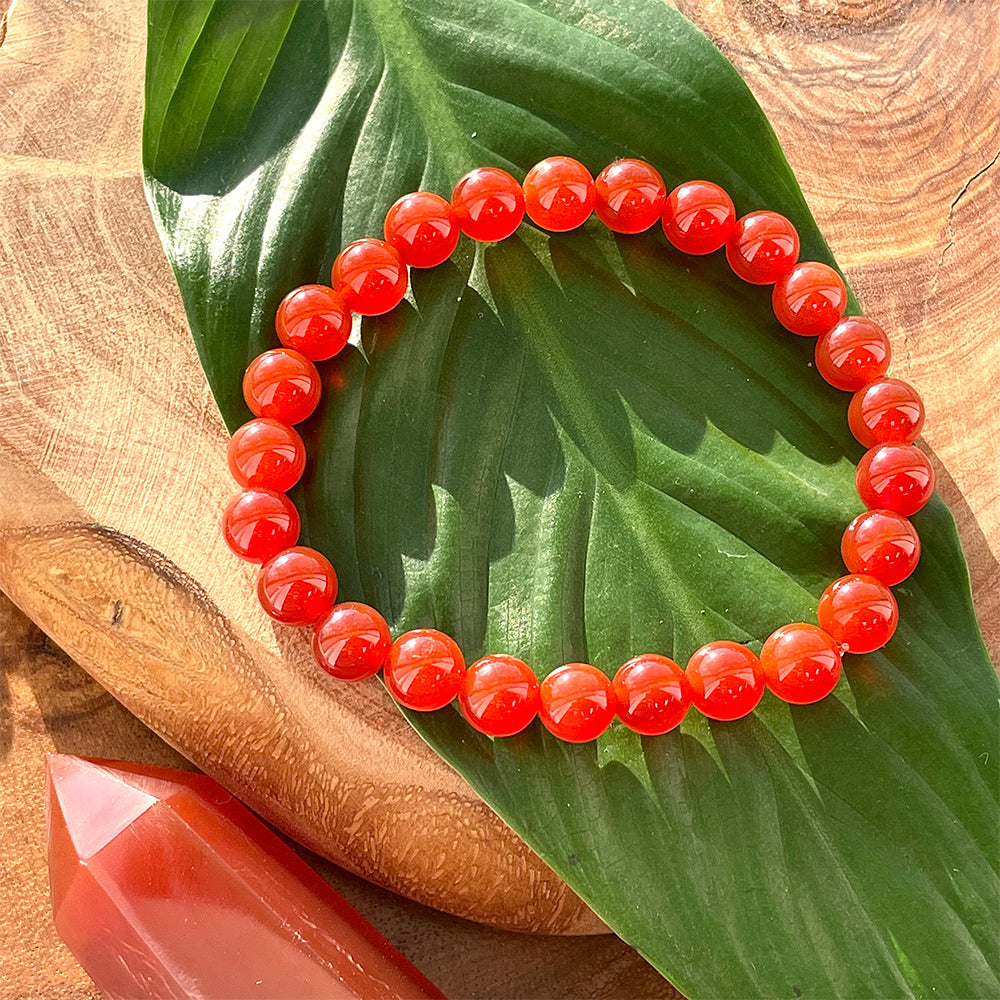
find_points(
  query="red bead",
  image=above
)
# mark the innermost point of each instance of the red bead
(653, 694)
(559, 194)
(258, 524)
(488, 204)
(282, 384)
(762, 247)
(858, 613)
(351, 641)
(886, 411)
(629, 196)
(499, 695)
(296, 586)
(881, 544)
(370, 276)
(801, 663)
(852, 354)
(314, 321)
(425, 669)
(726, 680)
(896, 477)
(268, 454)
(810, 299)
(577, 703)
(698, 217)
(423, 229)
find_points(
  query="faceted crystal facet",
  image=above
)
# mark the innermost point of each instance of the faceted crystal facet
(164, 886)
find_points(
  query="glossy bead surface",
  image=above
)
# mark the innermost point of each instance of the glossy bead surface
(314, 321)
(629, 196)
(881, 544)
(577, 703)
(698, 217)
(886, 411)
(810, 299)
(351, 641)
(258, 524)
(762, 247)
(801, 663)
(499, 695)
(726, 680)
(424, 670)
(896, 477)
(488, 204)
(423, 229)
(559, 194)
(858, 613)
(268, 454)
(296, 586)
(653, 694)
(370, 276)
(852, 354)
(282, 384)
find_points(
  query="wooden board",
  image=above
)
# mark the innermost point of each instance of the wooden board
(112, 466)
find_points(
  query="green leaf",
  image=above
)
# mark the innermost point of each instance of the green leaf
(583, 447)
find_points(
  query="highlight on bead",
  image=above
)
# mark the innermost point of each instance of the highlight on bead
(858, 613)
(424, 670)
(499, 695)
(371, 277)
(629, 196)
(698, 217)
(577, 702)
(488, 204)
(558, 194)
(762, 247)
(886, 411)
(726, 680)
(313, 320)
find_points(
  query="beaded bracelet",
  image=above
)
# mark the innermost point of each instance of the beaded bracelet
(499, 694)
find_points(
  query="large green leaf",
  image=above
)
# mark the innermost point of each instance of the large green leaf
(583, 447)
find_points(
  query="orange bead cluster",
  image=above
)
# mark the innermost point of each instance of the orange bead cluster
(499, 694)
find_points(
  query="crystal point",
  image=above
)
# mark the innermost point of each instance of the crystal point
(164, 887)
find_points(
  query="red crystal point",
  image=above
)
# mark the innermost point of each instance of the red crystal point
(164, 886)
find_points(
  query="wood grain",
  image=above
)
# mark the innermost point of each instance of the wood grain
(112, 452)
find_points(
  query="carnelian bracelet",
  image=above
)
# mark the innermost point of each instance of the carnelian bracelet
(499, 694)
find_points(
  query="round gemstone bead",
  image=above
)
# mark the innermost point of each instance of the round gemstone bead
(424, 670)
(858, 613)
(896, 477)
(296, 586)
(629, 196)
(351, 641)
(881, 544)
(423, 229)
(886, 411)
(268, 454)
(653, 694)
(810, 299)
(258, 524)
(314, 321)
(370, 276)
(762, 247)
(577, 703)
(499, 695)
(852, 354)
(559, 194)
(282, 384)
(698, 217)
(801, 663)
(488, 204)
(726, 680)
